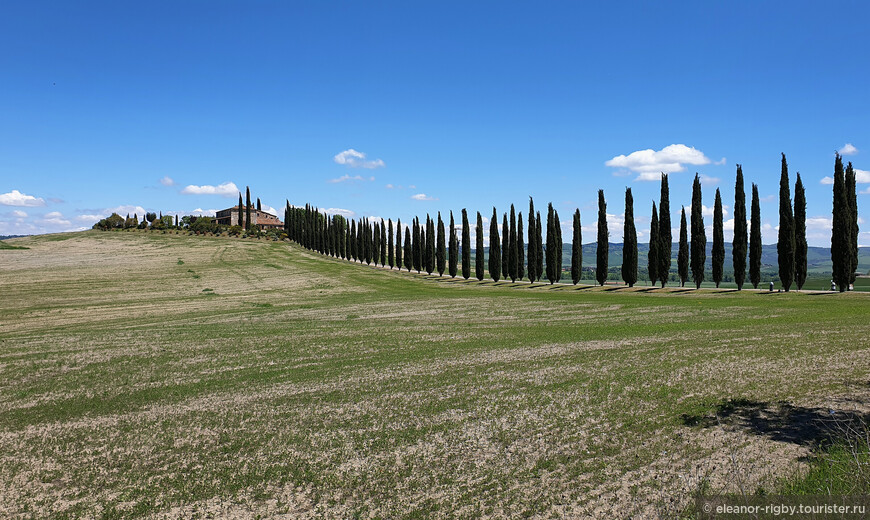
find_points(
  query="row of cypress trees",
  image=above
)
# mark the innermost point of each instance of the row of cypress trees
(427, 246)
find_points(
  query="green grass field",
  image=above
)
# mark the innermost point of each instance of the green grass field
(171, 376)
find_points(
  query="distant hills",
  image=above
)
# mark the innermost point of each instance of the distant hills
(818, 258)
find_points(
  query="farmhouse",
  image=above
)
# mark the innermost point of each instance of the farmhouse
(234, 217)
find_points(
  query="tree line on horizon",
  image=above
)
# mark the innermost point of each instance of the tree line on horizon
(425, 246)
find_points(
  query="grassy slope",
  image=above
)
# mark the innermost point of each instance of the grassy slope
(151, 373)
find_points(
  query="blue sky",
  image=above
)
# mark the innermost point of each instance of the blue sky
(398, 109)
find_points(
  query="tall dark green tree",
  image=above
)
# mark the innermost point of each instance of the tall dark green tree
(241, 211)
(683, 252)
(466, 246)
(513, 258)
(665, 238)
(430, 245)
(603, 240)
(376, 243)
(391, 252)
(539, 247)
(354, 253)
(741, 238)
(841, 241)
(417, 246)
(494, 248)
(533, 241)
(800, 233)
(408, 253)
(576, 249)
(653, 255)
(453, 249)
(478, 252)
(718, 240)
(384, 241)
(399, 251)
(852, 201)
(259, 206)
(699, 234)
(440, 248)
(505, 246)
(521, 261)
(551, 244)
(629, 242)
(247, 208)
(755, 239)
(558, 225)
(785, 244)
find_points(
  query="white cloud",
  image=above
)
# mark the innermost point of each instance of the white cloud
(19, 214)
(167, 181)
(706, 180)
(355, 159)
(866, 191)
(16, 198)
(422, 196)
(89, 218)
(827, 180)
(767, 198)
(848, 149)
(649, 164)
(124, 209)
(412, 186)
(270, 209)
(199, 212)
(346, 177)
(390, 186)
(720, 162)
(227, 189)
(346, 213)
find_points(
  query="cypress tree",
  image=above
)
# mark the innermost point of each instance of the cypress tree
(478, 252)
(376, 244)
(665, 238)
(551, 244)
(418, 250)
(391, 259)
(259, 206)
(513, 258)
(399, 259)
(494, 248)
(718, 240)
(533, 241)
(247, 208)
(558, 226)
(505, 246)
(785, 244)
(738, 246)
(629, 241)
(430, 245)
(603, 240)
(841, 254)
(699, 235)
(440, 248)
(800, 233)
(653, 256)
(576, 249)
(521, 268)
(352, 242)
(408, 253)
(755, 239)
(370, 243)
(466, 246)
(539, 245)
(453, 250)
(384, 240)
(852, 200)
(683, 253)
(241, 214)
